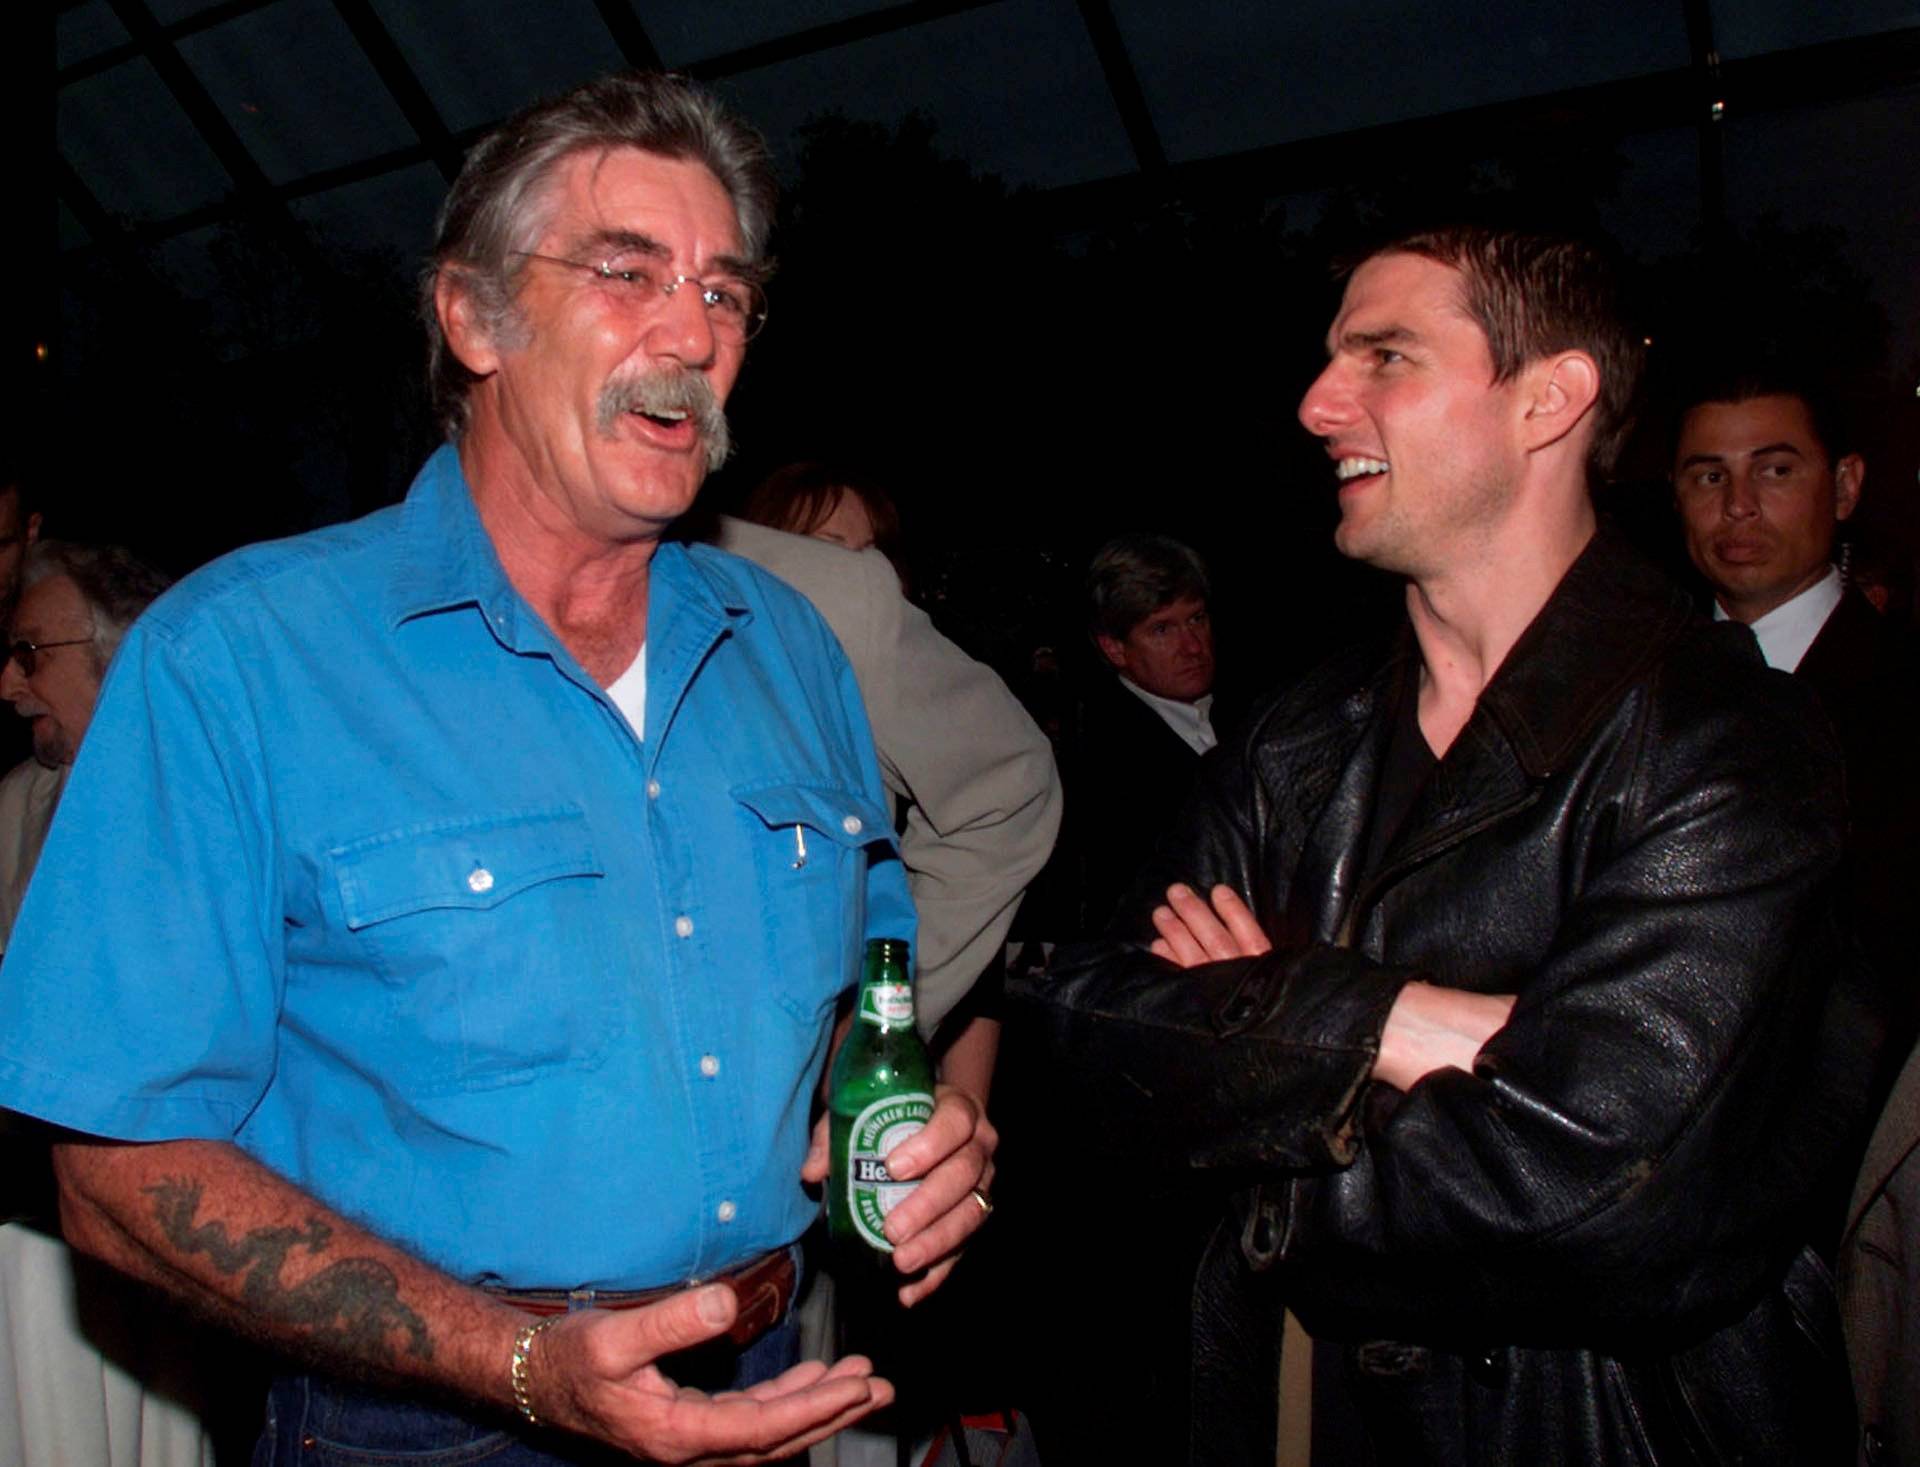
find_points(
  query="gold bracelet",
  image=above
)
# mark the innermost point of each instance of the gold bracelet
(522, 1356)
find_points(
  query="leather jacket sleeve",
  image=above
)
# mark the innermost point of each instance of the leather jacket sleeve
(1245, 1067)
(1637, 1145)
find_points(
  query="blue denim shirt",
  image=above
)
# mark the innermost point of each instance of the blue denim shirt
(360, 870)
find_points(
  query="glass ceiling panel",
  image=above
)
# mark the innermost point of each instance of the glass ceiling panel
(133, 147)
(1013, 89)
(168, 11)
(1755, 27)
(86, 30)
(478, 74)
(393, 212)
(1222, 77)
(686, 31)
(295, 85)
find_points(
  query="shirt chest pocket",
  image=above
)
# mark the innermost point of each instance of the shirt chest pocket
(491, 936)
(813, 843)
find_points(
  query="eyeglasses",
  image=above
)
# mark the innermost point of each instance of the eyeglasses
(27, 654)
(737, 308)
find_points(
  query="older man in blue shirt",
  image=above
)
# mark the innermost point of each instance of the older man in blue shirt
(447, 911)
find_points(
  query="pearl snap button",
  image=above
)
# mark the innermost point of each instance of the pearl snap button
(851, 825)
(683, 926)
(479, 879)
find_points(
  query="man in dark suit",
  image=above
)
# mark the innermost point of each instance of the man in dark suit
(1764, 472)
(1146, 715)
(1144, 729)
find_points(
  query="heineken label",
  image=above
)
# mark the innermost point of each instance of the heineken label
(886, 1003)
(872, 1192)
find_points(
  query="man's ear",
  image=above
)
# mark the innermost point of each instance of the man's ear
(1111, 648)
(1563, 390)
(460, 323)
(1848, 475)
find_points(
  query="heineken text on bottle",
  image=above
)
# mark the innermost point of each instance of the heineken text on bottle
(881, 1093)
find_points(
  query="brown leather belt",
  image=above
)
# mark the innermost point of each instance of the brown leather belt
(763, 1288)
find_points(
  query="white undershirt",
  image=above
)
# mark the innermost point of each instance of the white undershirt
(1192, 721)
(1788, 630)
(629, 694)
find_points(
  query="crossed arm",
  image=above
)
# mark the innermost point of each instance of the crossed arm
(1553, 1151)
(1428, 1028)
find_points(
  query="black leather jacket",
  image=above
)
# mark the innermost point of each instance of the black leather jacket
(1589, 1250)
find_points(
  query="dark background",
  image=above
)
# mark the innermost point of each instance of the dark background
(1051, 269)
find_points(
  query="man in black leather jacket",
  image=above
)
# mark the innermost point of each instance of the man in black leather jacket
(1514, 1000)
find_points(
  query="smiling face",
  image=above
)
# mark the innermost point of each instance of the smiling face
(1423, 439)
(57, 698)
(591, 395)
(1760, 498)
(1169, 652)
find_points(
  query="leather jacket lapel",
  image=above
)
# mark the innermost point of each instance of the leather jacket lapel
(1567, 671)
(1333, 796)
(1611, 618)
(1480, 780)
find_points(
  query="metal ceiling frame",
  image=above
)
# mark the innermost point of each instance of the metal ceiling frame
(828, 37)
(1128, 97)
(1710, 111)
(402, 84)
(1778, 81)
(1690, 95)
(253, 191)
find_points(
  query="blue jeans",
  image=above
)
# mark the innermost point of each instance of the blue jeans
(315, 1422)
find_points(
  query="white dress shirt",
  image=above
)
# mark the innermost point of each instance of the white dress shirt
(1192, 721)
(1788, 630)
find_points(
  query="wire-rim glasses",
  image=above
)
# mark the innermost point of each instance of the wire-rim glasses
(736, 307)
(27, 654)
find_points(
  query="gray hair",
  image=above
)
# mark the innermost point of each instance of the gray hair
(115, 585)
(496, 206)
(1134, 576)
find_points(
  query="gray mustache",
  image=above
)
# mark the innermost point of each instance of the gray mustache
(669, 392)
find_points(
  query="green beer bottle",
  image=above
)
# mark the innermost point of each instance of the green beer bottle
(881, 1093)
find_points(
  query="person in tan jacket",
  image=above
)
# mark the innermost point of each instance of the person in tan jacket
(1880, 1281)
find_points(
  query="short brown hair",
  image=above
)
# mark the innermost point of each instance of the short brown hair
(1536, 294)
(1133, 576)
(800, 497)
